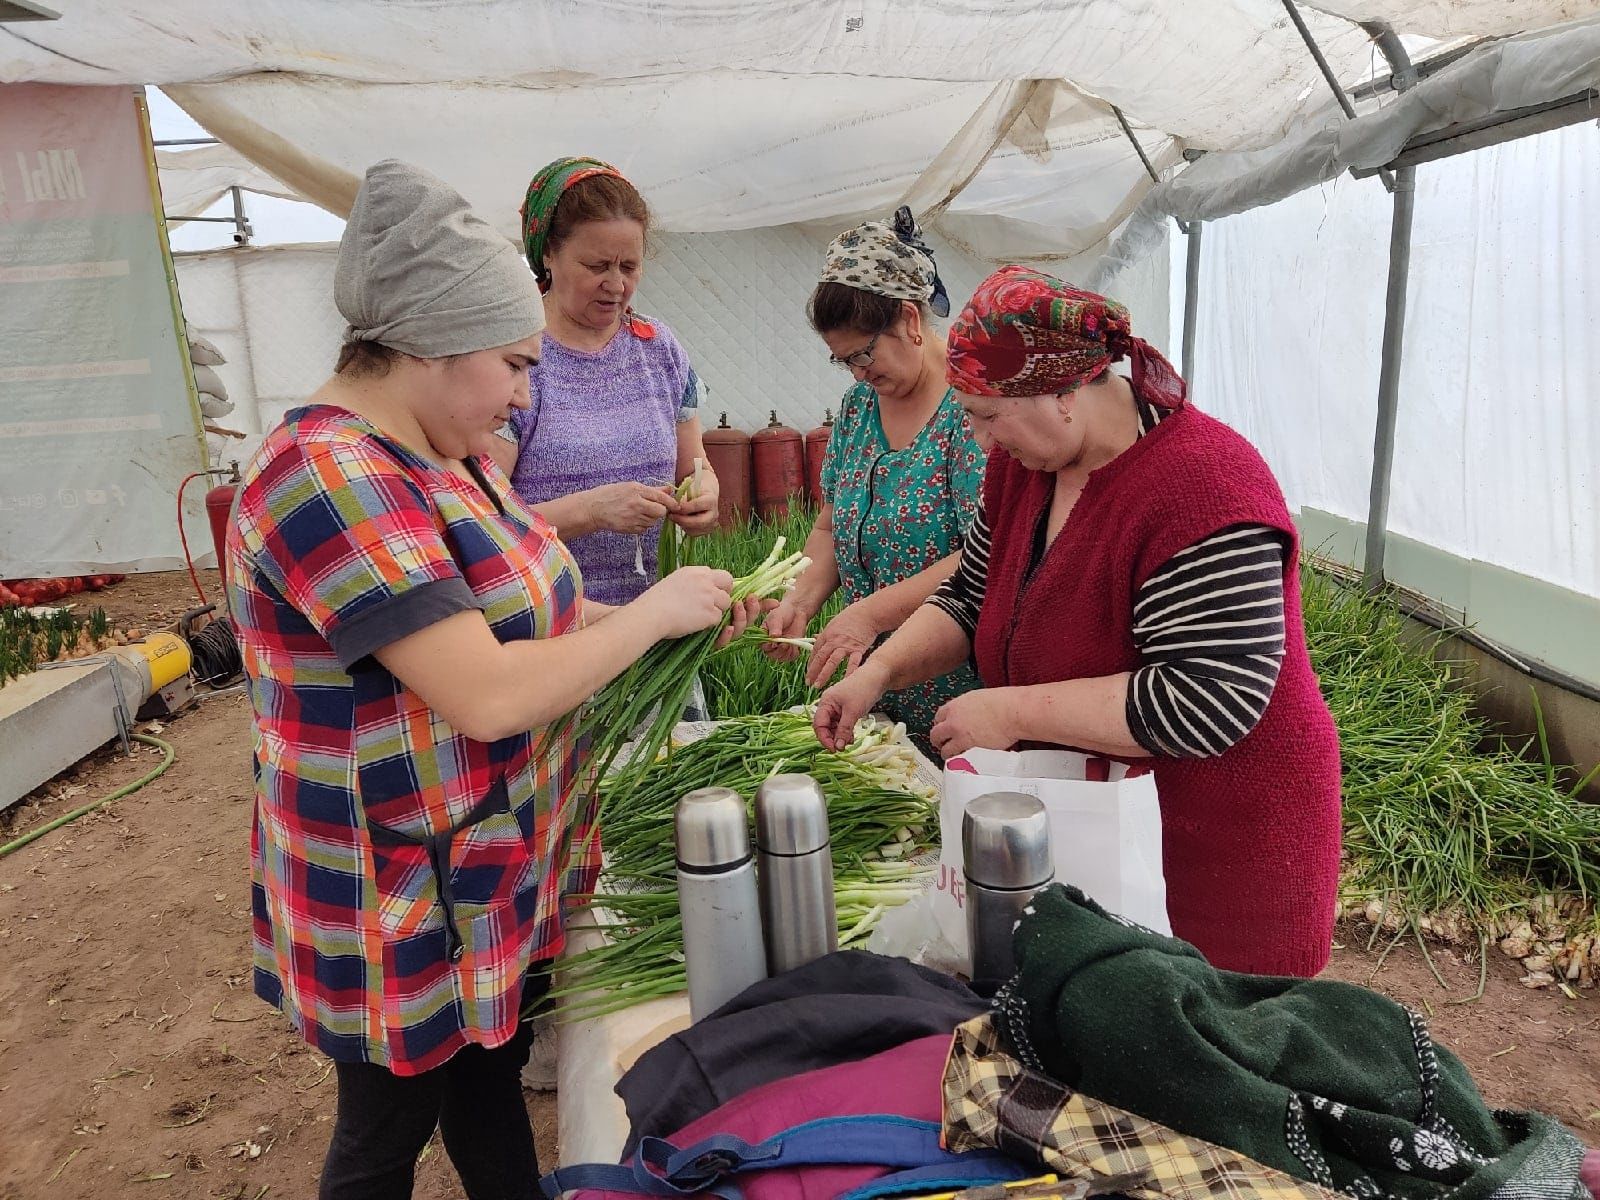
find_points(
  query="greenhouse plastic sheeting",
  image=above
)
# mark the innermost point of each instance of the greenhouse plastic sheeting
(733, 115)
(1499, 418)
(1518, 74)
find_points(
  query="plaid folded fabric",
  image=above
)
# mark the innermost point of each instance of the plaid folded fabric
(993, 1101)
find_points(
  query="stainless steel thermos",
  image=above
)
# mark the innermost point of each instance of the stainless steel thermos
(794, 864)
(1005, 849)
(723, 949)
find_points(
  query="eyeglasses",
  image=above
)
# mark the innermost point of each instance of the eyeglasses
(862, 358)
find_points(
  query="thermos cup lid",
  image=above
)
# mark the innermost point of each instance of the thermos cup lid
(712, 829)
(791, 815)
(1005, 841)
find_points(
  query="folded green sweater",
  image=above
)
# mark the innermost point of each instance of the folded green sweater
(1327, 1081)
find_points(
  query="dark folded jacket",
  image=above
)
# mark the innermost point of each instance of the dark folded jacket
(1327, 1081)
(838, 1009)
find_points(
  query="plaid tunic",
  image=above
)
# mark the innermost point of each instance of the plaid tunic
(403, 875)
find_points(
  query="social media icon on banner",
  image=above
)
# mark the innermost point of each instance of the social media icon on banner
(67, 498)
(119, 495)
(94, 496)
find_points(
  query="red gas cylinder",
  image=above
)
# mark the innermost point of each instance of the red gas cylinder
(816, 449)
(219, 506)
(778, 457)
(728, 450)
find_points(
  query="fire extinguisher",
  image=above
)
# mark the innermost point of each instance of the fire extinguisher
(728, 450)
(816, 451)
(778, 459)
(219, 506)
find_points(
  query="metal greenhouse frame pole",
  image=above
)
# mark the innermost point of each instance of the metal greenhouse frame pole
(1191, 231)
(1403, 186)
(1394, 328)
(1191, 298)
(1402, 78)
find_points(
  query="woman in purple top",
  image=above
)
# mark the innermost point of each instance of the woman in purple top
(614, 421)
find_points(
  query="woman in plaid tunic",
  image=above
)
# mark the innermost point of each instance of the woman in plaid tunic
(410, 632)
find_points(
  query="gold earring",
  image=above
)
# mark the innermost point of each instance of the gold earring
(916, 339)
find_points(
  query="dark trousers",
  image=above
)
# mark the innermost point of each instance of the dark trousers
(475, 1100)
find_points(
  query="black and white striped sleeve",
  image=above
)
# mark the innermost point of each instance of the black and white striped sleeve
(961, 596)
(1209, 627)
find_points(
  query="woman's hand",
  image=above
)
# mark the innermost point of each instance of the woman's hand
(978, 719)
(689, 600)
(629, 507)
(844, 704)
(699, 514)
(743, 615)
(844, 640)
(696, 598)
(787, 620)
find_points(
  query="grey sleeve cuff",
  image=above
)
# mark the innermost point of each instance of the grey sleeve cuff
(399, 616)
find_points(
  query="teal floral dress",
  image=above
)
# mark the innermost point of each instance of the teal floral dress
(897, 512)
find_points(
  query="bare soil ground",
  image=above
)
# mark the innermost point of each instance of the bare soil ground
(134, 1059)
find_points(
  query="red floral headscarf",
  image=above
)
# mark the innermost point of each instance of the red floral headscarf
(1025, 333)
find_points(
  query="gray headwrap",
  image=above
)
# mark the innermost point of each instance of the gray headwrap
(419, 271)
(887, 258)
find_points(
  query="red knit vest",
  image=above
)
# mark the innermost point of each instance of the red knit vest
(1250, 838)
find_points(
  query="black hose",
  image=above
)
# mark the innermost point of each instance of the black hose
(217, 658)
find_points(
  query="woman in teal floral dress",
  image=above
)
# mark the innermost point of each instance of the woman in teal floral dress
(903, 471)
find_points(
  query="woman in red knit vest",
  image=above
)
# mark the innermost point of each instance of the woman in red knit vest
(1131, 588)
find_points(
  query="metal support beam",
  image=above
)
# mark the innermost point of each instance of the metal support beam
(1394, 329)
(1320, 59)
(1327, 72)
(1402, 71)
(242, 230)
(1149, 167)
(1501, 127)
(1191, 297)
(1418, 71)
(163, 142)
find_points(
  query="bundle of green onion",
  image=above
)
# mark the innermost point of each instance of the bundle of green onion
(661, 680)
(880, 813)
(741, 680)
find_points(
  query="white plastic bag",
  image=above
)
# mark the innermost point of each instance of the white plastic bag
(1105, 831)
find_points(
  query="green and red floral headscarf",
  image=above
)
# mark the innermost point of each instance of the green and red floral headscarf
(539, 207)
(1025, 333)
